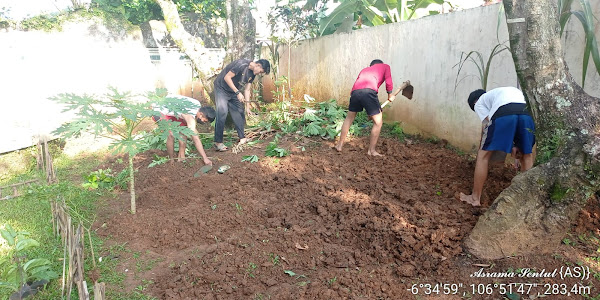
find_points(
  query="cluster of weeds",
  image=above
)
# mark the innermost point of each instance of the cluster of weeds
(322, 119)
(549, 147)
(238, 207)
(274, 259)
(250, 269)
(158, 160)
(100, 178)
(274, 150)
(398, 132)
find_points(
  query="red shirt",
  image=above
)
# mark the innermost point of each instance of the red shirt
(372, 78)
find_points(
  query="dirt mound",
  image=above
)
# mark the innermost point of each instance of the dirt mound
(317, 224)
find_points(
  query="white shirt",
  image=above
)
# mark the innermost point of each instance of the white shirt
(488, 103)
(192, 111)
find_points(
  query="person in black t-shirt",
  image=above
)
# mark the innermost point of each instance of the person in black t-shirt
(232, 89)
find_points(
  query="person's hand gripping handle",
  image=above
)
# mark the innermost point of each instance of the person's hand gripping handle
(392, 96)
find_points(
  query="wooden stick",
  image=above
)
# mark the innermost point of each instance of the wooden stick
(91, 247)
(99, 291)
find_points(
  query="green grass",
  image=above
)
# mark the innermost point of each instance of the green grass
(31, 212)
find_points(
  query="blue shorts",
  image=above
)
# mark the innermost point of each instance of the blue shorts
(504, 132)
(364, 99)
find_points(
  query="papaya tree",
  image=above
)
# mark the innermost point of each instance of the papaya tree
(118, 116)
(534, 213)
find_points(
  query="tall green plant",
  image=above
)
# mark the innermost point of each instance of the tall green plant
(586, 17)
(117, 116)
(475, 57)
(483, 66)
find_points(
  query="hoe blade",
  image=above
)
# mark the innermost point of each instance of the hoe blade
(203, 170)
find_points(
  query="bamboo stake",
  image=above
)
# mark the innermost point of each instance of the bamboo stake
(39, 158)
(62, 293)
(91, 247)
(99, 291)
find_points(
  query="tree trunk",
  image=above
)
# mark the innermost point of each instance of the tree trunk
(241, 31)
(536, 211)
(192, 46)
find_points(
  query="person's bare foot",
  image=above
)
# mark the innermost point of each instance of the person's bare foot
(469, 199)
(374, 153)
(338, 147)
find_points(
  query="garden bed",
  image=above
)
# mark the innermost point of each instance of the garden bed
(317, 224)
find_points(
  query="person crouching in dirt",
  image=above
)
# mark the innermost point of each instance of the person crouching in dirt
(507, 128)
(364, 96)
(202, 115)
(232, 88)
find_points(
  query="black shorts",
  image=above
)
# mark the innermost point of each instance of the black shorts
(364, 99)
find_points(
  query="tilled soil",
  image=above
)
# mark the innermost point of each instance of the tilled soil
(319, 224)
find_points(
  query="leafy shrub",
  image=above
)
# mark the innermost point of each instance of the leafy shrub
(99, 179)
(158, 160)
(15, 269)
(274, 150)
(397, 131)
(122, 179)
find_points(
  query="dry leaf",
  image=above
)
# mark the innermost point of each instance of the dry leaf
(301, 247)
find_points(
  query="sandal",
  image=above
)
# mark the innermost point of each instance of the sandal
(221, 147)
(222, 169)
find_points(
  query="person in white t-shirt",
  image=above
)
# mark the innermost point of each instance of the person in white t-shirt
(197, 113)
(507, 127)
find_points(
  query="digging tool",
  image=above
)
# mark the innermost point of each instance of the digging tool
(405, 93)
(203, 170)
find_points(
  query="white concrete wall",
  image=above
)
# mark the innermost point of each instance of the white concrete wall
(426, 52)
(83, 58)
(573, 45)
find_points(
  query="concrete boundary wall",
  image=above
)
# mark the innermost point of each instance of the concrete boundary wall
(85, 57)
(426, 52)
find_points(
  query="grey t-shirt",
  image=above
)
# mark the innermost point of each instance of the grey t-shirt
(243, 75)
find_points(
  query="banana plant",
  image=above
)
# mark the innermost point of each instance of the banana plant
(586, 17)
(373, 12)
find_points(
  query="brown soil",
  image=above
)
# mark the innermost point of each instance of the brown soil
(320, 225)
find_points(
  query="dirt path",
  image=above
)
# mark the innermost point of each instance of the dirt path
(315, 225)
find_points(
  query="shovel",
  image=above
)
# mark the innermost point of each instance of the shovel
(406, 92)
(203, 170)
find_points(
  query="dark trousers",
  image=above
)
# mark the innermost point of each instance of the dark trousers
(228, 104)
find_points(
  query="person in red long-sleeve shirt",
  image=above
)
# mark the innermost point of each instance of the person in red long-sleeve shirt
(364, 96)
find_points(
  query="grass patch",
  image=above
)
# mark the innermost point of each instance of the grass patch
(31, 212)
